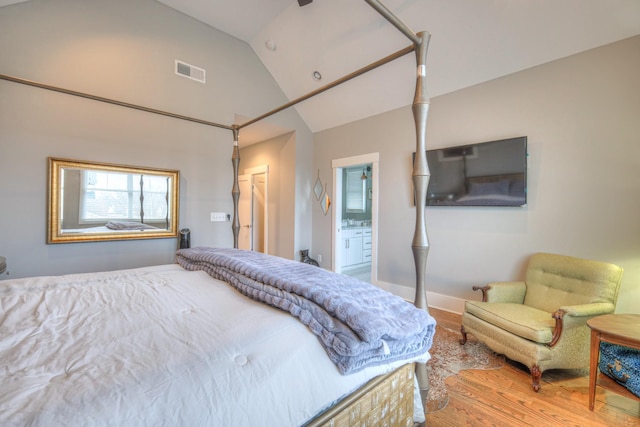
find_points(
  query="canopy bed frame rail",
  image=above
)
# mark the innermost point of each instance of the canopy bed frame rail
(110, 101)
(420, 174)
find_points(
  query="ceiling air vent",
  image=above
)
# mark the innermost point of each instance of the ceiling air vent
(194, 73)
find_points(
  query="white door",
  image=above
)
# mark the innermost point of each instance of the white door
(245, 212)
(259, 206)
(252, 209)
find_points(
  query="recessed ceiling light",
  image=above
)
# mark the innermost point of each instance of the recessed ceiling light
(271, 45)
(317, 75)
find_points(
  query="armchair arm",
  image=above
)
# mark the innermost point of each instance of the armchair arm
(590, 310)
(575, 311)
(503, 292)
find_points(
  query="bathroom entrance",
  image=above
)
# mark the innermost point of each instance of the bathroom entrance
(355, 216)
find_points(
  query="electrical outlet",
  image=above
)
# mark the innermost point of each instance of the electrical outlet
(218, 216)
(319, 257)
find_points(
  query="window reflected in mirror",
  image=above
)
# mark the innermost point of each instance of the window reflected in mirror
(91, 201)
(356, 190)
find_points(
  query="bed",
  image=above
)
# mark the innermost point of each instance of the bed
(112, 226)
(165, 345)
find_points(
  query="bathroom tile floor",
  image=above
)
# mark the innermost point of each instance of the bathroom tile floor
(362, 272)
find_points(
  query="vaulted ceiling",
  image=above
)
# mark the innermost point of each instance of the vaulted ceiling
(471, 42)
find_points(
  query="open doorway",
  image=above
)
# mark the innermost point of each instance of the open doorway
(252, 209)
(355, 216)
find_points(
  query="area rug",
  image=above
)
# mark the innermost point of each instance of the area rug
(448, 358)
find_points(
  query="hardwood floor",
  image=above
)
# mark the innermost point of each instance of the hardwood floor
(503, 397)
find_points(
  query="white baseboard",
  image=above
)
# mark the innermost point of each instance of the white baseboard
(439, 301)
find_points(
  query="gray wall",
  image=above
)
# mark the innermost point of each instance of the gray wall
(124, 50)
(581, 117)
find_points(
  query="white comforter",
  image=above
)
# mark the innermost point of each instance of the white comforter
(157, 346)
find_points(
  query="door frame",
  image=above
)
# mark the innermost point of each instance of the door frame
(258, 170)
(336, 213)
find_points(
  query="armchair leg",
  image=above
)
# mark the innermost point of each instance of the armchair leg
(536, 374)
(463, 340)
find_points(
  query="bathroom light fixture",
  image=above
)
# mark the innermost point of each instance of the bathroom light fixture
(364, 172)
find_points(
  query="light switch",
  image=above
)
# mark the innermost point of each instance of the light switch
(218, 216)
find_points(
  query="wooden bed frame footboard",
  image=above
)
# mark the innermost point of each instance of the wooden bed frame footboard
(386, 400)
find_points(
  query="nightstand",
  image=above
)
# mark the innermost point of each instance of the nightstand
(621, 329)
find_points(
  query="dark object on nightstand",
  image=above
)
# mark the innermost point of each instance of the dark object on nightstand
(185, 238)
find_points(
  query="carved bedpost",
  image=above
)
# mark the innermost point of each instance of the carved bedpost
(235, 192)
(420, 175)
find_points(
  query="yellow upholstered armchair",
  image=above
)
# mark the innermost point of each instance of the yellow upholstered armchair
(541, 322)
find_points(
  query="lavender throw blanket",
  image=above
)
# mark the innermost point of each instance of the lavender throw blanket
(357, 323)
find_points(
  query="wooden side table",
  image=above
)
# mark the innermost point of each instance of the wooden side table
(621, 329)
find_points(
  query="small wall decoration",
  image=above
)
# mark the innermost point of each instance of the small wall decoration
(317, 188)
(326, 203)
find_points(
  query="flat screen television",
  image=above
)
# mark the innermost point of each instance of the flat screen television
(492, 173)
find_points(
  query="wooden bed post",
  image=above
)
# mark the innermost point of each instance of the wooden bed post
(235, 192)
(420, 175)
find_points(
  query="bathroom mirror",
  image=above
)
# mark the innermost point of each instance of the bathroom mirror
(356, 190)
(91, 202)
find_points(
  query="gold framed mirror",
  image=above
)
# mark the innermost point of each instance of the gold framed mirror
(90, 202)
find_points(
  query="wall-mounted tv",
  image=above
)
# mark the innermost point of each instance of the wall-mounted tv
(492, 173)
